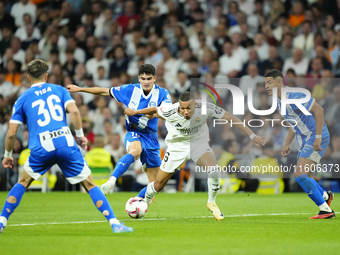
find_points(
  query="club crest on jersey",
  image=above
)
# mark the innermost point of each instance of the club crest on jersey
(117, 88)
(152, 104)
(198, 119)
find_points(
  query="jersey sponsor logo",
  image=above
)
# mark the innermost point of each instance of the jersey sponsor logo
(55, 134)
(117, 88)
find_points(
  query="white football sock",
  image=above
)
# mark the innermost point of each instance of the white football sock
(114, 221)
(325, 195)
(325, 207)
(213, 184)
(150, 193)
(3, 220)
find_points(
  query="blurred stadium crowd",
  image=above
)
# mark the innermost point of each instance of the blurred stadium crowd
(102, 43)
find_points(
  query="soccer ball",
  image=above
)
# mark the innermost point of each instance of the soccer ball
(136, 207)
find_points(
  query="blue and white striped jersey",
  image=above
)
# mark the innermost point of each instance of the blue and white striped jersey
(43, 108)
(132, 96)
(305, 124)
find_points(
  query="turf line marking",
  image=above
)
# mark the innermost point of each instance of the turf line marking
(156, 219)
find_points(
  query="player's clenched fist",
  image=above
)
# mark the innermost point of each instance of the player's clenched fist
(285, 150)
(72, 88)
(129, 112)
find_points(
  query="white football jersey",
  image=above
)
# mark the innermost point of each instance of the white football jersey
(186, 131)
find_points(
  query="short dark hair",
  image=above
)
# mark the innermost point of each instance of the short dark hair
(274, 73)
(37, 68)
(147, 69)
(186, 96)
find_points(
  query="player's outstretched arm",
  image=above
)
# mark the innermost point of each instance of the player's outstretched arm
(257, 140)
(76, 121)
(131, 112)
(318, 112)
(8, 160)
(96, 91)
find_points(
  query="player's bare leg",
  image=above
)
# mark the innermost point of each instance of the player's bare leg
(14, 198)
(156, 186)
(134, 150)
(101, 203)
(208, 160)
(313, 189)
(151, 173)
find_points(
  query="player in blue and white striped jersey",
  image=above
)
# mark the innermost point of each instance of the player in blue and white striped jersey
(313, 138)
(43, 108)
(141, 138)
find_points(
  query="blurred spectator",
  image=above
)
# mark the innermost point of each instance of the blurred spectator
(253, 59)
(286, 48)
(6, 87)
(324, 85)
(7, 35)
(298, 63)
(6, 20)
(181, 85)
(98, 60)
(129, 13)
(18, 53)
(278, 30)
(78, 53)
(12, 72)
(20, 8)
(120, 61)
(98, 156)
(313, 77)
(220, 38)
(253, 19)
(238, 49)
(42, 22)
(51, 40)
(114, 147)
(272, 58)
(332, 107)
(251, 79)
(79, 77)
(297, 16)
(230, 64)
(101, 81)
(333, 54)
(305, 41)
(319, 52)
(27, 31)
(261, 47)
(70, 66)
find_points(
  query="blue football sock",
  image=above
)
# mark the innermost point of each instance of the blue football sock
(101, 203)
(17, 192)
(142, 192)
(321, 190)
(311, 189)
(123, 165)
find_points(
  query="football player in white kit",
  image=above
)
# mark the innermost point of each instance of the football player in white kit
(188, 138)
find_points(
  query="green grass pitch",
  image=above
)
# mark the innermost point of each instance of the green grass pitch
(68, 223)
